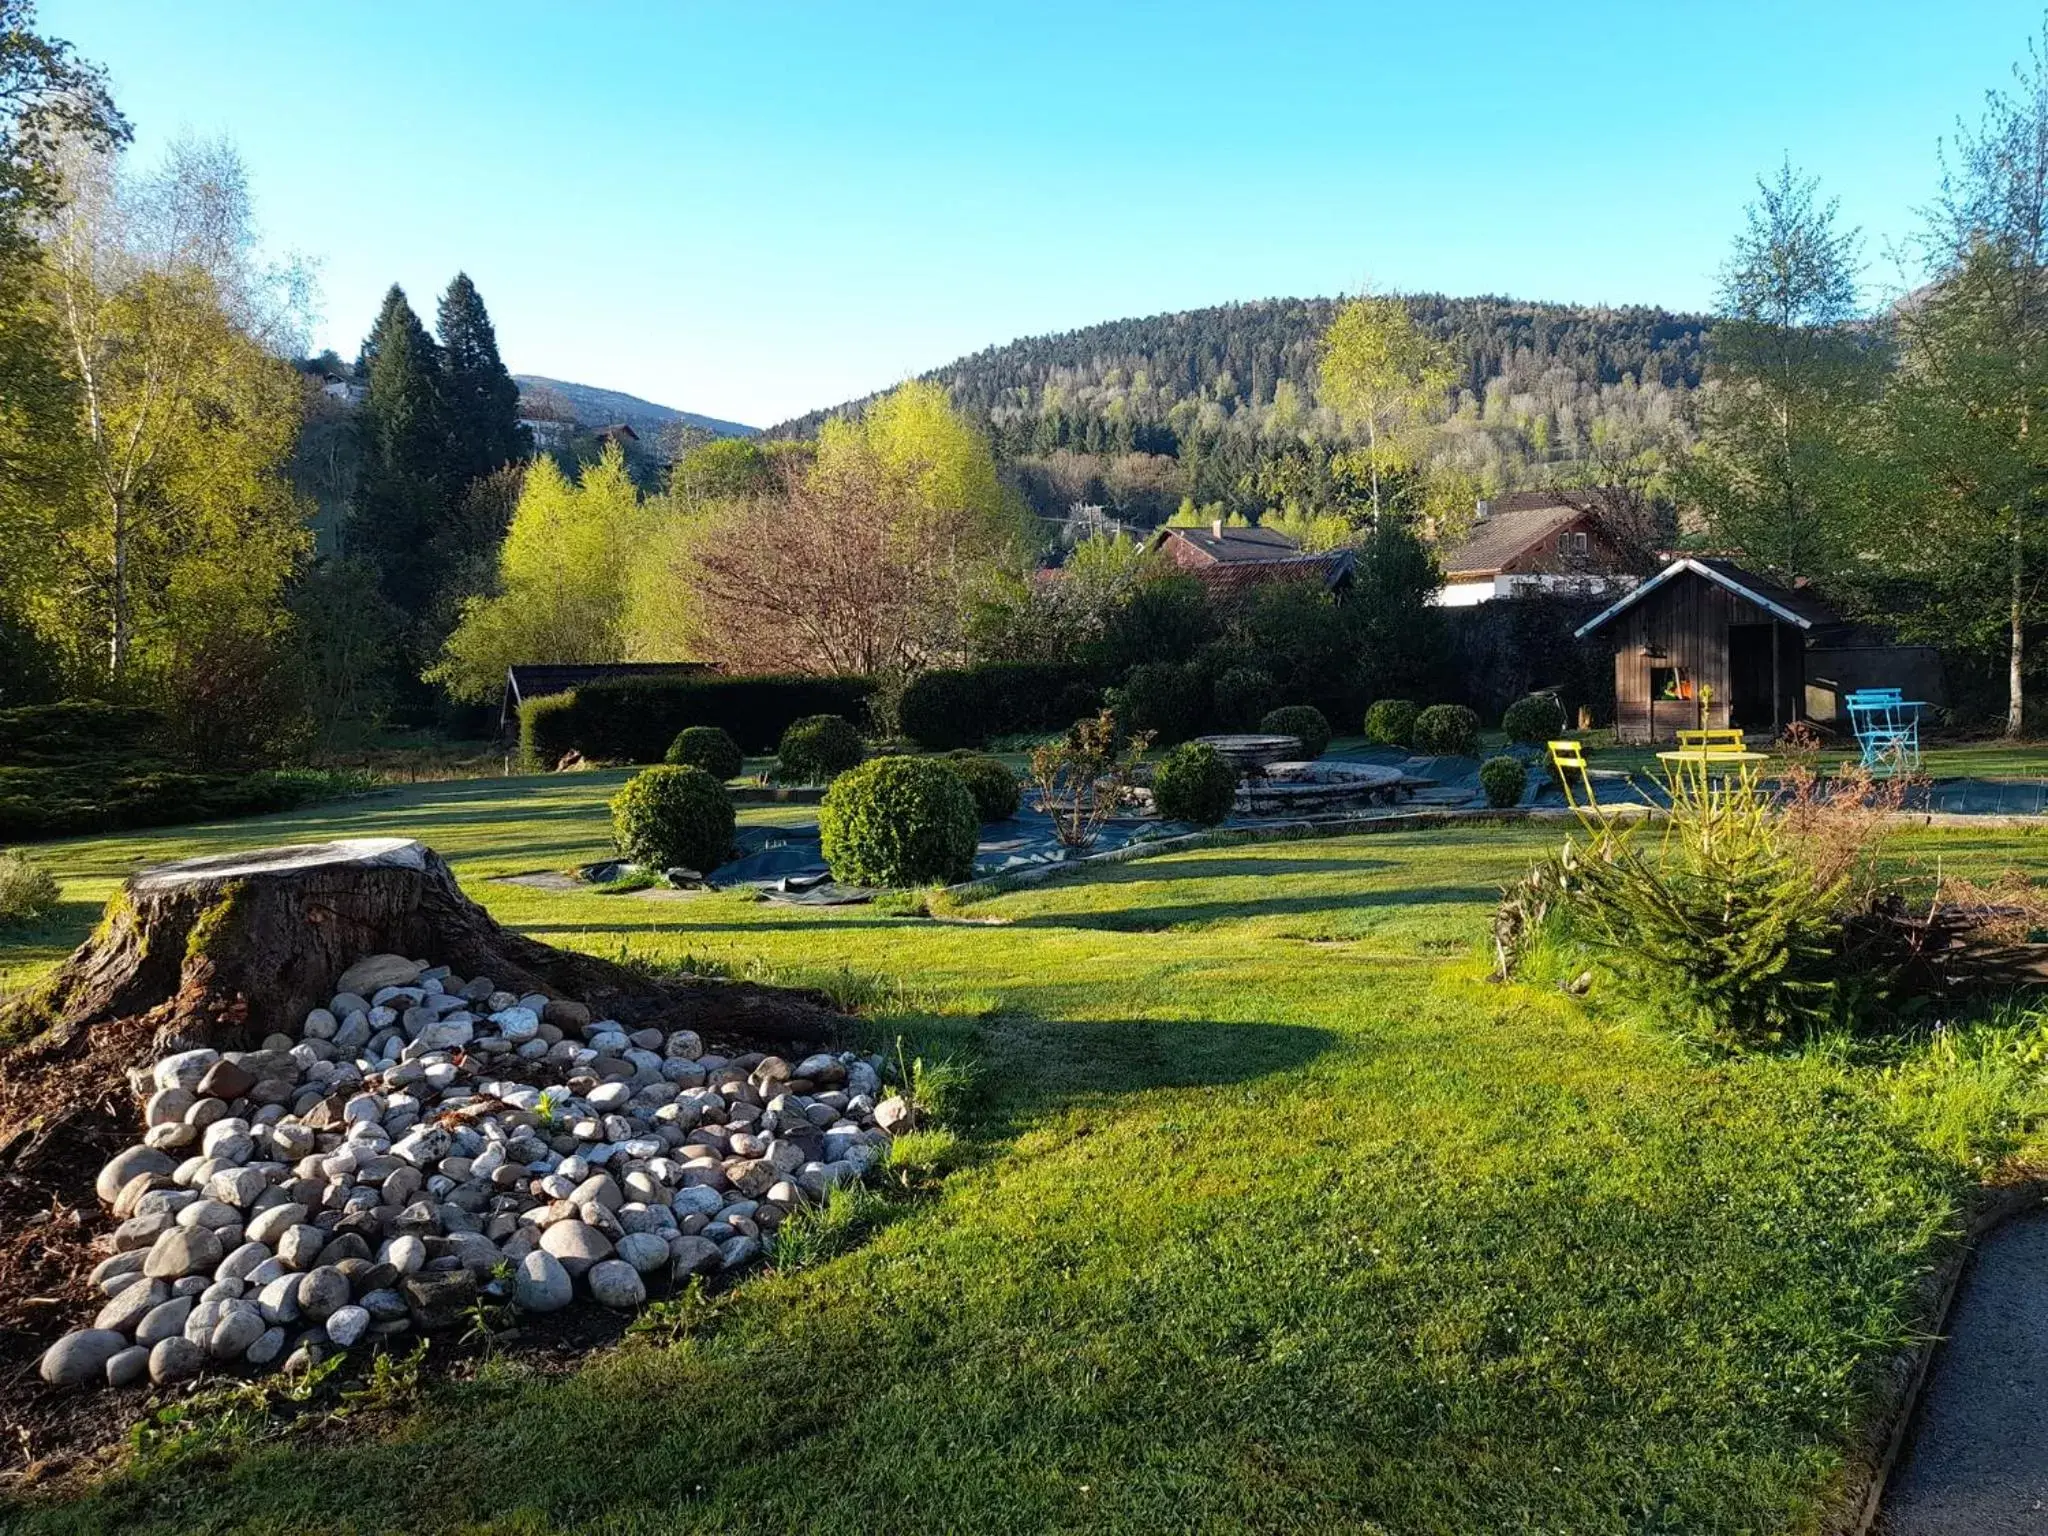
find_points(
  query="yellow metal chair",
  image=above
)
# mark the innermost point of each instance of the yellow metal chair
(1710, 742)
(1566, 759)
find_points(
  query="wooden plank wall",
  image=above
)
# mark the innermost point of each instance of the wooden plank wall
(1688, 619)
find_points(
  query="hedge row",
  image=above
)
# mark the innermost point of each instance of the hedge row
(633, 721)
(955, 707)
(112, 797)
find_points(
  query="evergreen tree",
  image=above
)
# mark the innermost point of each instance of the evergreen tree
(404, 491)
(482, 400)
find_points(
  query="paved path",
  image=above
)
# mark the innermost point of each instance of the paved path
(1977, 1464)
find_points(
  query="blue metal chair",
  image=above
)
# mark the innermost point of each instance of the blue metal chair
(1887, 727)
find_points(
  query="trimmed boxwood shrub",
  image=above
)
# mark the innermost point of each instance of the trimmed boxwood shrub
(1503, 779)
(1534, 720)
(1304, 721)
(1391, 723)
(816, 750)
(1194, 783)
(899, 821)
(954, 707)
(546, 729)
(1161, 697)
(707, 747)
(991, 783)
(1242, 697)
(668, 817)
(1446, 730)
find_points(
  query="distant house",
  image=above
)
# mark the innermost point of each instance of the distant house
(1233, 560)
(1533, 541)
(548, 433)
(618, 432)
(337, 387)
(536, 680)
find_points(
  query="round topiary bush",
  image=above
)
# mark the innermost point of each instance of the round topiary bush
(899, 821)
(1242, 697)
(1534, 720)
(817, 749)
(991, 783)
(706, 747)
(1304, 721)
(1503, 779)
(1193, 783)
(1446, 730)
(1391, 723)
(669, 818)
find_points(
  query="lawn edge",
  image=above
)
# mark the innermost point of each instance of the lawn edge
(1856, 1509)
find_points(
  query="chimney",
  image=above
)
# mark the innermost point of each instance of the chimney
(1216, 528)
(1482, 511)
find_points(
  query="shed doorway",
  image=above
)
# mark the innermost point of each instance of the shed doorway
(1752, 677)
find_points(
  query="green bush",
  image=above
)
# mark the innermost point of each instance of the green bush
(816, 750)
(1300, 720)
(708, 747)
(991, 783)
(546, 729)
(1242, 697)
(1503, 779)
(1446, 730)
(667, 818)
(1391, 723)
(899, 821)
(1194, 783)
(1162, 697)
(966, 706)
(1534, 720)
(28, 892)
(633, 720)
(77, 730)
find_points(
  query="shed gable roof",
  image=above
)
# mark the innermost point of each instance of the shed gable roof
(1786, 604)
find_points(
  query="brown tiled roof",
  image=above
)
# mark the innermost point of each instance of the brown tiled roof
(1235, 544)
(1515, 525)
(1234, 576)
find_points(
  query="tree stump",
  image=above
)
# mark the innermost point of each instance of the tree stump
(222, 951)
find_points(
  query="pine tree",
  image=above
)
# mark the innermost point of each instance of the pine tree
(405, 448)
(483, 402)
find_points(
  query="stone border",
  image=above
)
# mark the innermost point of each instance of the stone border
(1862, 1500)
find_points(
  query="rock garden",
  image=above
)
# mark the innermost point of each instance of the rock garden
(425, 1140)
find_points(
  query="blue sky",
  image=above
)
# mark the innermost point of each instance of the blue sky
(751, 210)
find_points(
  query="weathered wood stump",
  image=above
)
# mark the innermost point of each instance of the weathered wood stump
(222, 951)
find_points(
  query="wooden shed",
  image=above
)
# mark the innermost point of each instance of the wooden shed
(1706, 643)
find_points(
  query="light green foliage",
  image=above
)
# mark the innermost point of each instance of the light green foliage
(562, 580)
(899, 821)
(919, 441)
(669, 817)
(1385, 376)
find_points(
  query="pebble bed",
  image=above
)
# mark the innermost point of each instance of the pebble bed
(426, 1142)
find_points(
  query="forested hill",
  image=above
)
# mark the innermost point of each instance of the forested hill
(1220, 405)
(1236, 354)
(594, 407)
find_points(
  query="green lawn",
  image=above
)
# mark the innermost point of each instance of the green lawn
(1273, 1215)
(1988, 759)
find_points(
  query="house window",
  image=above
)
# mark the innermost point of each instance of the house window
(1572, 545)
(1670, 683)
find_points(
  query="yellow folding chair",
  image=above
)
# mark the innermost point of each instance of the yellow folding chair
(1566, 759)
(1710, 742)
